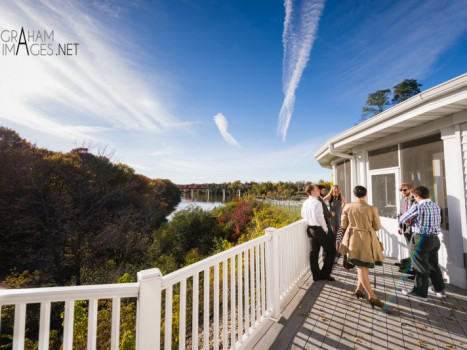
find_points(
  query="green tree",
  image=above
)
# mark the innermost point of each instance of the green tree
(405, 90)
(375, 103)
(192, 233)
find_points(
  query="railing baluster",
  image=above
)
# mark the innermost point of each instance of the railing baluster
(258, 301)
(194, 324)
(252, 287)
(68, 325)
(115, 337)
(44, 326)
(206, 309)
(294, 257)
(233, 339)
(294, 247)
(168, 318)
(216, 306)
(263, 279)
(182, 321)
(246, 290)
(92, 324)
(275, 274)
(285, 264)
(284, 251)
(225, 287)
(240, 296)
(19, 324)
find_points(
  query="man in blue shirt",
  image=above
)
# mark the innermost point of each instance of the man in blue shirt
(424, 245)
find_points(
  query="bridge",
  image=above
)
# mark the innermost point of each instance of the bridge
(213, 188)
(256, 295)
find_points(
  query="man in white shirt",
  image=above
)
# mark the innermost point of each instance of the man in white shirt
(317, 230)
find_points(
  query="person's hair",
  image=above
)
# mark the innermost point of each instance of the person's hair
(409, 186)
(321, 187)
(359, 191)
(334, 193)
(309, 188)
(422, 191)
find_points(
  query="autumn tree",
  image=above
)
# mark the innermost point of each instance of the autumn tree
(63, 212)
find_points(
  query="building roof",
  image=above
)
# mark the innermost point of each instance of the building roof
(438, 102)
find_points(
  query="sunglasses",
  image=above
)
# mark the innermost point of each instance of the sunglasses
(404, 189)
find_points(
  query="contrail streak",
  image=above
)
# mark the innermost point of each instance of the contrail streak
(299, 33)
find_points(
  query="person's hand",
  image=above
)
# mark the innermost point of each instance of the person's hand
(338, 244)
(326, 232)
(399, 231)
(409, 223)
(333, 213)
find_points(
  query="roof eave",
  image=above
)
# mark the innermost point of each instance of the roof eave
(322, 155)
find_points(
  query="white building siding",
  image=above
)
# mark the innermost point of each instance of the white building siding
(464, 156)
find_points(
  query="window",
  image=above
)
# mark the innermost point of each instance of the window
(422, 164)
(343, 179)
(383, 189)
(383, 158)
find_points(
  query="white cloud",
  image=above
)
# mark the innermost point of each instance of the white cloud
(222, 125)
(99, 89)
(298, 37)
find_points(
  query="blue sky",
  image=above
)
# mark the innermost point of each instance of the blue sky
(213, 91)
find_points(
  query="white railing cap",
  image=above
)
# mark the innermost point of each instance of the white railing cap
(58, 294)
(149, 273)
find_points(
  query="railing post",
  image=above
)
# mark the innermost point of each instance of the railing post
(273, 272)
(148, 319)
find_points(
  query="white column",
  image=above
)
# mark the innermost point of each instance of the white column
(334, 174)
(353, 176)
(148, 317)
(363, 172)
(455, 238)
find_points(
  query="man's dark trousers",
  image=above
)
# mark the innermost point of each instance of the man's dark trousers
(424, 250)
(405, 263)
(319, 239)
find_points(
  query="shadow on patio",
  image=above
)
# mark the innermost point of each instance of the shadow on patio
(323, 315)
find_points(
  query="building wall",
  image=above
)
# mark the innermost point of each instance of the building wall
(454, 240)
(463, 136)
(453, 252)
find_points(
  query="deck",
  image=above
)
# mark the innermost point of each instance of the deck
(323, 315)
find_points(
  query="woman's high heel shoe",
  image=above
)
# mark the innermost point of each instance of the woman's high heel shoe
(376, 302)
(359, 294)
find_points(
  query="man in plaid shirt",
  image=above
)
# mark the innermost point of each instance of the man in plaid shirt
(424, 245)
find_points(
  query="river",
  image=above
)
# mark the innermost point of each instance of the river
(201, 201)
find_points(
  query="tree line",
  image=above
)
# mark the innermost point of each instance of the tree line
(267, 189)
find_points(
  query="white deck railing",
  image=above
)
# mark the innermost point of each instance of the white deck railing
(219, 302)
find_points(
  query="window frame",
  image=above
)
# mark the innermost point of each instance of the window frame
(385, 171)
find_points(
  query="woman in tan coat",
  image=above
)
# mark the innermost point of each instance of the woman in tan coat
(360, 244)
